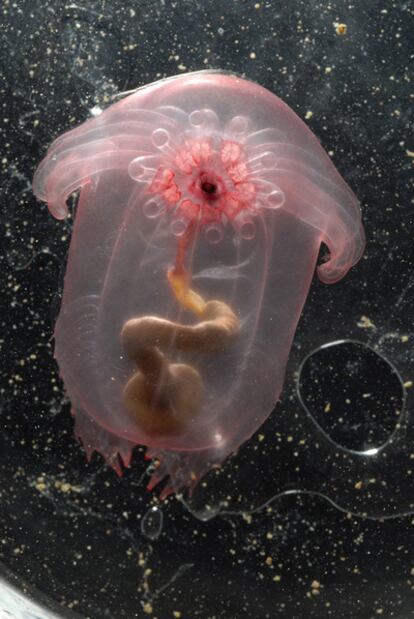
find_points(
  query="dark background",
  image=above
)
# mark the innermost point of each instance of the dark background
(313, 517)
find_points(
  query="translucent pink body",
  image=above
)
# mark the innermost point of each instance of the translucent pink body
(229, 155)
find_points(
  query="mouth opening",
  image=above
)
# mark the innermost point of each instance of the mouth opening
(209, 187)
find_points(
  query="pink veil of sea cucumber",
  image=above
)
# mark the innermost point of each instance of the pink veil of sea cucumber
(228, 161)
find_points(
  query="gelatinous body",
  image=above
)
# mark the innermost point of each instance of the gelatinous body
(203, 204)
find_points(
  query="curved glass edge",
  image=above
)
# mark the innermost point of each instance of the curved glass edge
(18, 605)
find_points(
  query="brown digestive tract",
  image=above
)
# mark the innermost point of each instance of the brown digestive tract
(164, 397)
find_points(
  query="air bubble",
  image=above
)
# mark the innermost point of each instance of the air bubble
(152, 209)
(276, 199)
(160, 137)
(20, 258)
(152, 523)
(361, 391)
(214, 233)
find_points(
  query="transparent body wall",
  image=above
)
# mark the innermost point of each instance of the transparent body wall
(203, 204)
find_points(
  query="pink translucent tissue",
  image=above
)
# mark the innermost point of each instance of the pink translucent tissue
(228, 160)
